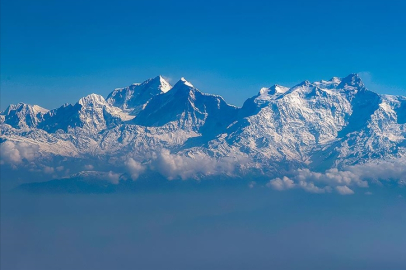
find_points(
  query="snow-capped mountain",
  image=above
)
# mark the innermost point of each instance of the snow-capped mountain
(289, 124)
(91, 113)
(23, 115)
(134, 97)
(189, 108)
(323, 128)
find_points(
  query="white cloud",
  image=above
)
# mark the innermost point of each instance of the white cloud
(287, 183)
(344, 190)
(331, 176)
(312, 188)
(113, 177)
(381, 170)
(135, 168)
(15, 152)
(89, 167)
(341, 180)
(281, 184)
(174, 166)
(252, 184)
(48, 170)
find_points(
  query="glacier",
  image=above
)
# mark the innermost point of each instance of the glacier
(326, 136)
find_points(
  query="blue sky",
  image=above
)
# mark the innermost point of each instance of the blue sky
(54, 52)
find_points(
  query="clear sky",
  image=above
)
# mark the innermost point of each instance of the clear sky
(54, 52)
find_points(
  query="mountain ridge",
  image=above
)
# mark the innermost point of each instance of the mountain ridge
(181, 132)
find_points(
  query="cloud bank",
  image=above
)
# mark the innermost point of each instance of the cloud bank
(174, 166)
(343, 181)
(15, 153)
(185, 166)
(135, 168)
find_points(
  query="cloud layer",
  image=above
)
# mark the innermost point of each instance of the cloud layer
(135, 168)
(343, 181)
(186, 167)
(16, 152)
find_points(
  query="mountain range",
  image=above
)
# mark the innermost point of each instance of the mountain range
(324, 136)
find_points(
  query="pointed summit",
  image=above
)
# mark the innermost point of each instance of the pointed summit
(266, 95)
(273, 90)
(24, 107)
(335, 80)
(92, 113)
(133, 98)
(164, 84)
(187, 107)
(352, 80)
(158, 82)
(92, 99)
(23, 115)
(183, 88)
(185, 82)
(304, 83)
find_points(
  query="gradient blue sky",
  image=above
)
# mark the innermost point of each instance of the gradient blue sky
(54, 52)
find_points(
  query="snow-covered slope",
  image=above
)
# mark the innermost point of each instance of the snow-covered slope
(134, 97)
(288, 125)
(181, 132)
(188, 109)
(22, 115)
(322, 124)
(91, 113)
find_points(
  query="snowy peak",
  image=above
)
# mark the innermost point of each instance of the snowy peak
(330, 84)
(305, 83)
(23, 115)
(307, 114)
(273, 90)
(92, 113)
(182, 91)
(265, 96)
(185, 82)
(348, 85)
(351, 81)
(39, 109)
(133, 98)
(335, 80)
(164, 85)
(188, 108)
(92, 100)
(22, 107)
(155, 83)
(319, 125)
(183, 86)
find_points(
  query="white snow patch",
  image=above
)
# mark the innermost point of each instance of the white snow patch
(186, 82)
